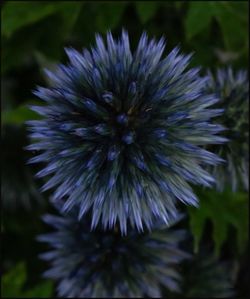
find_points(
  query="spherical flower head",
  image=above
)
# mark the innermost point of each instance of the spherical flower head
(105, 264)
(122, 132)
(232, 88)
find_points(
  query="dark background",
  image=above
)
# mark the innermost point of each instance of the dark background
(34, 35)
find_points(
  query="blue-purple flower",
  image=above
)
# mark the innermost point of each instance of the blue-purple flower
(232, 88)
(105, 264)
(123, 132)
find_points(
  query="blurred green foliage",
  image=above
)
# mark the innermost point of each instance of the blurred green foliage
(223, 209)
(230, 16)
(58, 23)
(146, 12)
(13, 285)
(34, 35)
(19, 115)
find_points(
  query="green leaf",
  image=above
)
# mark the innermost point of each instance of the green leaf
(23, 13)
(17, 15)
(196, 222)
(49, 38)
(108, 15)
(233, 20)
(69, 12)
(19, 115)
(146, 10)
(42, 290)
(13, 281)
(222, 209)
(199, 16)
(13, 285)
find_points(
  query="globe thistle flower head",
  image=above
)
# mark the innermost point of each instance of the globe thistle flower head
(122, 132)
(232, 88)
(104, 264)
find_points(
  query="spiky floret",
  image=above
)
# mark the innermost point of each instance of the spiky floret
(122, 132)
(106, 264)
(232, 88)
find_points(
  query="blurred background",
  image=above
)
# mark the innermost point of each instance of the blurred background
(34, 35)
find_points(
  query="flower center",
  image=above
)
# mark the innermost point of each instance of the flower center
(122, 119)
(125, 133)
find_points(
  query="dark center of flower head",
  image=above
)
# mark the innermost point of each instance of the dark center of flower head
(123, 127)
(125, 113)
(122, 119)
(115, 126)
(110, 249)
